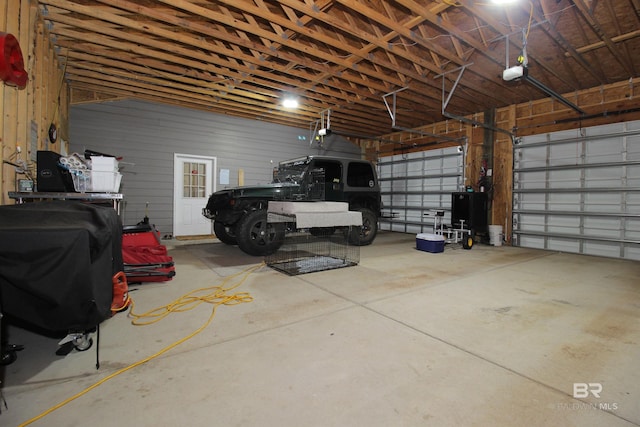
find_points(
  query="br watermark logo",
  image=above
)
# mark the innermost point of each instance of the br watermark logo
(582, 390)
(586, 390)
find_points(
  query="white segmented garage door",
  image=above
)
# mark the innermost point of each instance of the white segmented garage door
(579, 191)
(413, 184)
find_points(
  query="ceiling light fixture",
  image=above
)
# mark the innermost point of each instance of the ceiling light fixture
(290, 103)
(503, 2)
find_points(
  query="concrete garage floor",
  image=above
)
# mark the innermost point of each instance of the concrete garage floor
(494, 336)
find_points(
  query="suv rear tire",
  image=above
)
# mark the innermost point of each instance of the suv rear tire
(256, 236)
(363, 236)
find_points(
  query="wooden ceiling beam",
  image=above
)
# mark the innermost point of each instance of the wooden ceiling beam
(312, 79)
(201, 57)
(292, 44)
(595, 26)
(87, 84)
(124, 87)
(600, 44)
(410, 34)
(197, 43)
(118, 19)
(482, 14)
(401, 30)
(557, 38)
(128, 64)
(357, 59)
(242, 41)
(240, 57)
(432, 88)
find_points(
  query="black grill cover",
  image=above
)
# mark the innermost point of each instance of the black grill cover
(57, 260)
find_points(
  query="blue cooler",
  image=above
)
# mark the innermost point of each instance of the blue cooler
(433, 243)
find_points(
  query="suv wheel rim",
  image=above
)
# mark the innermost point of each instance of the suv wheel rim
(262, 233)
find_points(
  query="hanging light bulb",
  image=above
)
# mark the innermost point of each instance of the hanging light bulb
(290, 103)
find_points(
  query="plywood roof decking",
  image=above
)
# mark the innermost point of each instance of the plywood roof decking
(241, 57)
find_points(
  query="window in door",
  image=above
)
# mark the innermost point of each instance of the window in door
(194, 179)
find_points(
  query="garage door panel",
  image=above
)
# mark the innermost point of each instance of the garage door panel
(532, 180)
(414, 200)
(633, 176)
(433, 200)
(563, 201)
(412, 228)
(429, 187)
(605, 150)
(398, 186)
(450, 183)
(604, 226)
(536, 156)
(564, 179)
(531, 200)
(561, 155)
(605, 249)
(632, 228)
(604, 177)
(633, 199)
(536, 206)
(631, 252)
(563, 244)
(450, 164)
(414, 215)
(563, 224)
(584, 195)
(432, 164)
(633, 148)
(415, 183)
(534, 242)
(533, 162)
(414, 169)
(398, 227)
(531, 223)
(384, 172)
(608, 202)
(399, 199)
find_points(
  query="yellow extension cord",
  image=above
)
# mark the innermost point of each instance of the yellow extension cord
(215, 295)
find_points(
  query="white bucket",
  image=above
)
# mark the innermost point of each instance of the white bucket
(495, 235)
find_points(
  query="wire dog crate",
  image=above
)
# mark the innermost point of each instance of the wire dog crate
(317, 238)
(308, 251)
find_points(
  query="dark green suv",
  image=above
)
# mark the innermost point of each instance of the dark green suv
(240, 214)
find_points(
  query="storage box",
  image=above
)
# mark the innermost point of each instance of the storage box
(105, 181)
(104, 164)
(433, 243)
(87, 181)
(81, 180)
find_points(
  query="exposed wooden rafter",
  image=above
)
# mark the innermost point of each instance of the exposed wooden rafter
(241, 57)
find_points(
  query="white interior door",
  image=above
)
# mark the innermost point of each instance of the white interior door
(194, 181)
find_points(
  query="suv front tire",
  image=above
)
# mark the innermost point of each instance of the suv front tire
(256, 236)
(226, 234)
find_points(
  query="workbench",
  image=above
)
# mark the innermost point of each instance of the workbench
(22, 197)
